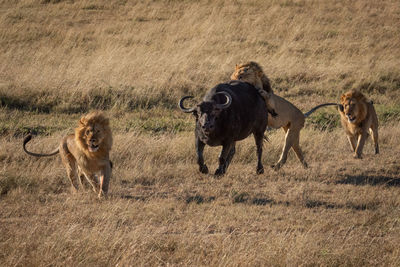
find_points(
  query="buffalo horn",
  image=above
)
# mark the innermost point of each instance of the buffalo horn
(228, 100)
(186, 110)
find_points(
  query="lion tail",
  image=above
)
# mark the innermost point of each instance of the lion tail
(27, 139)
(307, 114)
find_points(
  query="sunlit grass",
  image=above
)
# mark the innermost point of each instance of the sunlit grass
(135, 60)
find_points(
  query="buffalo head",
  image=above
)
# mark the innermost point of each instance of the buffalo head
(207, 112)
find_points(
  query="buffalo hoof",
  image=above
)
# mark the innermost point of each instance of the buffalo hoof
(305, 165)
(260, 170)
(276, 167)
(219, 172)
(203, 169)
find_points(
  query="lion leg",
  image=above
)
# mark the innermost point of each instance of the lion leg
(374, 135)
(361, 141)
(296, 148)
(105, 180)
(352, 141)
(70, 164)
(266, 97)
(80, 178)
(288, 144)
(92, 181)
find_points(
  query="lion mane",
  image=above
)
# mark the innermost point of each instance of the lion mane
(252, 72)
(94, 118)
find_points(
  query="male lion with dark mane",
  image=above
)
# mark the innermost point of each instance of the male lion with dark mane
(288, 116)
(86, 152)
(357, 115)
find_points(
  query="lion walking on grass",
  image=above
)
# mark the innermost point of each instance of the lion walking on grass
(86, 152)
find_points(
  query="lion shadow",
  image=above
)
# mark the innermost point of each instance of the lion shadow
(374, 180)
(260, 200)
(135, 198)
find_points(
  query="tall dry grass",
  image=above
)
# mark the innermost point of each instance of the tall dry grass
(157, 51)
(134, 59)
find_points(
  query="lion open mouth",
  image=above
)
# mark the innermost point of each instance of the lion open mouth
(93, 147)
(351, 118)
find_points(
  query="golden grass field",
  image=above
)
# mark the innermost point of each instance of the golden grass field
(135, 59)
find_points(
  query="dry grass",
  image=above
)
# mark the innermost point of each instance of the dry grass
(135, 59)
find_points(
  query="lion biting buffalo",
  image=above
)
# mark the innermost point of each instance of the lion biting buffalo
(229, 112)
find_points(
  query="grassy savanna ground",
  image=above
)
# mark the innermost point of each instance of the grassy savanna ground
(135, 59)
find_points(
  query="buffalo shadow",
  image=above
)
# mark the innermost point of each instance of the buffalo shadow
(374, 180)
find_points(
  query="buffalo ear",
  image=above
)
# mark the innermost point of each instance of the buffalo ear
(341, 108)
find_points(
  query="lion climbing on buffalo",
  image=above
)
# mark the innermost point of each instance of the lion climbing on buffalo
(288, 116)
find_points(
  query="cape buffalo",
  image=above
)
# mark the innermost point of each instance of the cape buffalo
(228, 113)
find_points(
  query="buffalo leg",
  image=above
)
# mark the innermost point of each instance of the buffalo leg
(230, 156)
(224, 159)
(259, 143)
(200, 159)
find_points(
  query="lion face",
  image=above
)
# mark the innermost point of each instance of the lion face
(94, 133)
(351, 110)
(354, 108)
(246, 74)
(93, 136)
